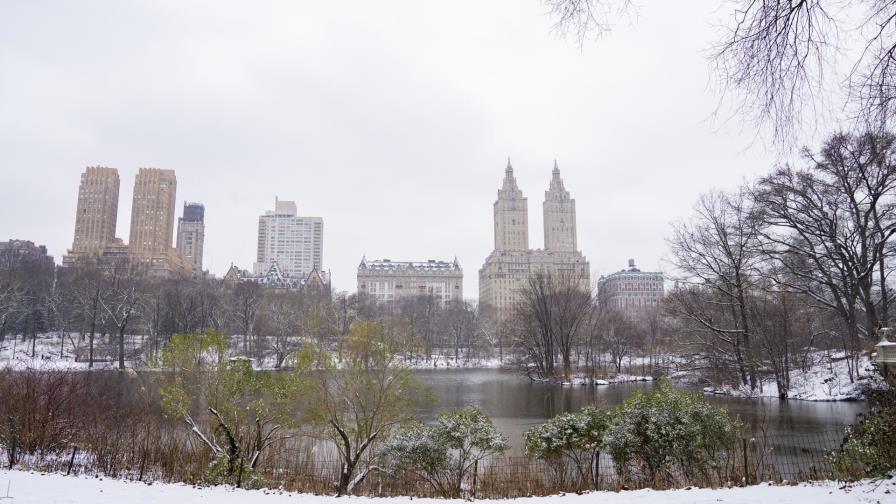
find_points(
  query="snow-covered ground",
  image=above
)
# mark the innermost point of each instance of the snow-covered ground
(50, 353)
(620, 378)
(827, 380)
(36, 488)
(440, 361)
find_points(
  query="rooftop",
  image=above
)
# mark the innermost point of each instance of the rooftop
(390, 265)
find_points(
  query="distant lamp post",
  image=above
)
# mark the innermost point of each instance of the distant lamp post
(885, 355)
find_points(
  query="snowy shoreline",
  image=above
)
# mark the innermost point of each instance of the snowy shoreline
(823, 382)
(42, 488)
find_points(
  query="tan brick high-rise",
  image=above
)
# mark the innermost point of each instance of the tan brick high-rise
(97, 212)
(152, 214)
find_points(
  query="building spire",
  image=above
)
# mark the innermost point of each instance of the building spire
(556, 168)
(508, 187)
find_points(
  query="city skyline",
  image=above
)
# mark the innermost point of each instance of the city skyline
(259, 113)
(282, 204)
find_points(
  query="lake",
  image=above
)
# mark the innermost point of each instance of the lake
(515, 403)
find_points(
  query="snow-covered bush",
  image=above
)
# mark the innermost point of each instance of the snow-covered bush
(665, 432)
(869, 446)
(574, 437)
(445, 453)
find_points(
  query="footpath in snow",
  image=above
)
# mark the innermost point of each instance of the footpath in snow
(36, 488)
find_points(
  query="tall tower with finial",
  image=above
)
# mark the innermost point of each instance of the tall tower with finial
(509, 267)
(559, 216)
(511, 215)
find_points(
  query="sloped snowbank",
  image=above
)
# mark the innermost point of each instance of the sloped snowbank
(35, 488)
(827, 380)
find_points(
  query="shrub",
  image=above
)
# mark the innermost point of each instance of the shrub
(244, 410)
(358, 396)
(656, 433)
(38, 412)
(576, 437)
(869, 447)
(445, 453)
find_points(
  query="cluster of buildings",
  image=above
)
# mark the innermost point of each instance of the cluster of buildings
(512, 263)
(152, 224)
(290, 247)
(290, 251)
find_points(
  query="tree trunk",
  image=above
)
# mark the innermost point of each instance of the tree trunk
(884, 295)
(121, 347)
(90, 346)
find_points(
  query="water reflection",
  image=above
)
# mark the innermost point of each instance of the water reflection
(516, 404)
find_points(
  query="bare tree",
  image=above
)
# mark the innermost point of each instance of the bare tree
(778, 58)
(282, 318)
(828, 227)
(581, 19)
(244, 304)
(550, 316)
(620, 336)
(774, 55)
(121, 305)
(459, 323)
(89, 285)
(11, 299)
(718, 255)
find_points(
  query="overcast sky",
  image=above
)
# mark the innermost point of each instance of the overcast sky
(391, 120)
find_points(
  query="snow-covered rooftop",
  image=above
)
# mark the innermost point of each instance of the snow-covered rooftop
(390, 265)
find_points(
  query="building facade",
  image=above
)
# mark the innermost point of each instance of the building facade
(14, 253)
(295, 243)
(389, 281)
(96, 214)
(152, 213)
(275, 278)
(631, 290)
(191, 236)
(512, 263)
(152, 224)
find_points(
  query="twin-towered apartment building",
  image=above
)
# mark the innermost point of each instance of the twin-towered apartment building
(512, 263)
(152, 224)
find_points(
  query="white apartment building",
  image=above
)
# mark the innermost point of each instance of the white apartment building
(294, 242)
(389, 281)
